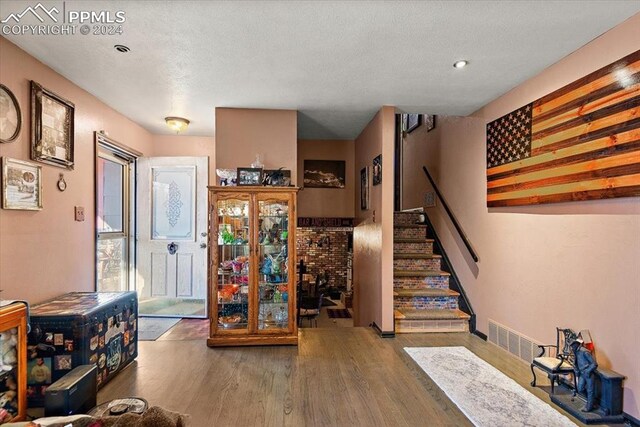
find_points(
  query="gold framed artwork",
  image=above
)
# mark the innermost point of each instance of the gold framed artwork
(52, 127)
(10, 116)
(21, 185)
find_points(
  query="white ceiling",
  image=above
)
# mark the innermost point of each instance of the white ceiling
(336, 62)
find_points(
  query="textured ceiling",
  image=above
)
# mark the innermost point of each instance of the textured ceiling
(335, 62)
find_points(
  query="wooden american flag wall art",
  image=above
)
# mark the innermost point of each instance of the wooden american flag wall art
(580, 142)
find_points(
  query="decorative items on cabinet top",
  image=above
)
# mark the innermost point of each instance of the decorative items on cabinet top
(252, 189)
(254, 176)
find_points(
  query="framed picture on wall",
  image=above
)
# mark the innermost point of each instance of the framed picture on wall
(21, 185)
(413, 121)
(10, 117)
(430, 122)
(364, 188)
(249, 176)
(377, 170)
(324, 173)
(52, 127)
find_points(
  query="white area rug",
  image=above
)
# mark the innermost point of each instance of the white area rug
(484, 394)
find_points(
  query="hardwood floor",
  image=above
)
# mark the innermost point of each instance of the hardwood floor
(335, 377)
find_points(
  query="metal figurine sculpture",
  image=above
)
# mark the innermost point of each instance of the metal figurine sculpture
(584, 369)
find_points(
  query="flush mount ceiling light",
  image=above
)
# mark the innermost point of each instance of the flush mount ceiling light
(177, 124)
(460, 64)
(121, 48)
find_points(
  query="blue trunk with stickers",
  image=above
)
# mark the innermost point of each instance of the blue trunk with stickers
(80, 328)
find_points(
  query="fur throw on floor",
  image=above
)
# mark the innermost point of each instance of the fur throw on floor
(152, 417)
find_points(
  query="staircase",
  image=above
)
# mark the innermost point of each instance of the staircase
(422, 298)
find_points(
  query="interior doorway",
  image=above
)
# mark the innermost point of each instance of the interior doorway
(326, 284)
(172, 237)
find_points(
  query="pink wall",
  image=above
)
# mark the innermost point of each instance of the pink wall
(47, 253)
(327, 202)
(184, 145)
(569, 264)
(242, 133)
(415, 148)
(373, 234)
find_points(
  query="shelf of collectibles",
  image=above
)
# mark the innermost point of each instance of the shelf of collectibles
(13, 361)
(252, 231)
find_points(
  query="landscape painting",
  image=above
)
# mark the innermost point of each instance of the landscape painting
(324, 173)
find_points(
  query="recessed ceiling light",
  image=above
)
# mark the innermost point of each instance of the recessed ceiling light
(460, 64)
(121, 48)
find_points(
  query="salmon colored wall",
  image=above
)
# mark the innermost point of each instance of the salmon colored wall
(327, 202)
(415, 147)
(184, 145)
(46, 253)
(373, 233)
(569, 264)
(242, 133)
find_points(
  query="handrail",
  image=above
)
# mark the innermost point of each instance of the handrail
(454, 281)
(463, 236)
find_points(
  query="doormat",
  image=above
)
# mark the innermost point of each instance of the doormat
(172, 307)
(151, 328)
(326, 302)
(484, 394)
(338, 313)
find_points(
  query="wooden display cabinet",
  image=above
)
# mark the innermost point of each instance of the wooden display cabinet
(252, 290)
(13, 362)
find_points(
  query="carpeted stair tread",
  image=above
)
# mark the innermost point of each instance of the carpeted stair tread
(398, 255)
(410, 225)
(419, 273)
(429, 292)
(412, 240)
(432, 314)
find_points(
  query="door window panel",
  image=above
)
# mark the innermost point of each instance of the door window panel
(173, 205)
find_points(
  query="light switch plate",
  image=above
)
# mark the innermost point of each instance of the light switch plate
(79, 213)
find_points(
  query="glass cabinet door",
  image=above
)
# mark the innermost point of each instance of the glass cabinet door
(273, 263)
(233, 264)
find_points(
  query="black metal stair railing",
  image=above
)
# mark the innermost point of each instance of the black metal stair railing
(454, 281)
(452, 217)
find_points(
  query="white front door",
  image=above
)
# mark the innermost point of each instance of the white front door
(172, 236)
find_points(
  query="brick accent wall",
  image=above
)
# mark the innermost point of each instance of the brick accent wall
(417, 264)
(440, 282)
(332, 257)
(406, 217)
(426, 303)
(410, 233)
(413, 248)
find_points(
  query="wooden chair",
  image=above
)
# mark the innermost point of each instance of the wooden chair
(556, 360)
(311, 313)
